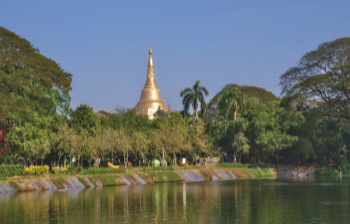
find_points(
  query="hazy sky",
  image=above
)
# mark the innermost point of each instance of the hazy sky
(105, 44)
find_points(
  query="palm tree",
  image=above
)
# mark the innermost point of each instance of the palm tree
(193, 97)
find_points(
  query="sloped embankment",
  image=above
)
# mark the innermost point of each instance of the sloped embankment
(132, 177)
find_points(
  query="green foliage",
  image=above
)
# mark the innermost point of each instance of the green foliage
(318, 136)
(11, 170)
(240, 144)
(266, 126)
(83, 117)
(341, 160)
(36, 89)
(160, 113)
(248, 92)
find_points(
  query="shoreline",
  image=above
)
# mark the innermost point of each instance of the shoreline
(135, 176)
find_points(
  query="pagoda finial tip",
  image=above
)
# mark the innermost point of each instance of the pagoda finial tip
(150, 47)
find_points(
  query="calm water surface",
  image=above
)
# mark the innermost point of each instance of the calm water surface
(320, 200)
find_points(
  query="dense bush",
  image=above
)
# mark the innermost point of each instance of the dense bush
(341, 160)
(11, 170)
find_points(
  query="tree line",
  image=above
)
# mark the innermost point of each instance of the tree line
(240, 123)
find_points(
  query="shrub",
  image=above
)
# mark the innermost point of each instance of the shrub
(11, 170)
(72, 169)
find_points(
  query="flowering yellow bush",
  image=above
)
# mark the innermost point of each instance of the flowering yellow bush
(36, 170)
(55, 170)
(64, 169)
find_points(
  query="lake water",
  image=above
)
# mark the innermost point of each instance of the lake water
(320, 200)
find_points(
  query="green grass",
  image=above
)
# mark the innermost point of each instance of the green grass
(15, 186)
(159, 176)
(102, 170)
(159, 168)
(263, 173)
(108, 180)
(84, 182)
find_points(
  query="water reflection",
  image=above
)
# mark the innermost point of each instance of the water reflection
(247, 201)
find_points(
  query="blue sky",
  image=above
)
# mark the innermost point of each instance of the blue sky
(104, 44)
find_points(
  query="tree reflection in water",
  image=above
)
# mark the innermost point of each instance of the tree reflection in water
(247, 201)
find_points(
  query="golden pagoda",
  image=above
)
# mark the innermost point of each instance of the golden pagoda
(150, 99)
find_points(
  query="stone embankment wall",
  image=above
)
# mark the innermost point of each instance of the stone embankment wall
(93, 181)
(295, 173)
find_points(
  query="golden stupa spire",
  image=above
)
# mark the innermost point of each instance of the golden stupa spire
(150, 99)
(150, 71)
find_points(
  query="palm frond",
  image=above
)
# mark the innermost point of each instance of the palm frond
(203, 89)
(185, 91)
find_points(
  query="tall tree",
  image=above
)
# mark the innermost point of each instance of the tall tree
(32, 86)
(140, 144)
(322, 74)
(193, 97)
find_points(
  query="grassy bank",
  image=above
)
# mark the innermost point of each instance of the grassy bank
(114, 177)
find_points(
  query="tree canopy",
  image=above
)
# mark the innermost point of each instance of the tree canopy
(322, 74)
